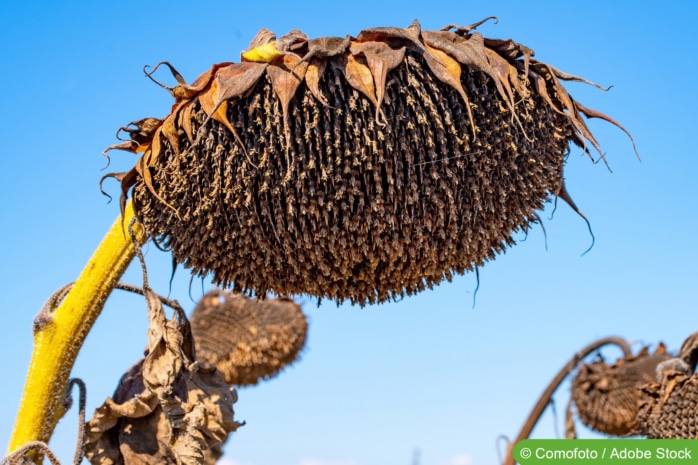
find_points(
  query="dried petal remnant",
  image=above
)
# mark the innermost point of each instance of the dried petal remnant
(363, 168)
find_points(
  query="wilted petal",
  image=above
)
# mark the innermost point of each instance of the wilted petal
(357, 74)
(468, 51)
(448, 71)
(411, 35)
(285, 83)
(315, 70)
(381, 59)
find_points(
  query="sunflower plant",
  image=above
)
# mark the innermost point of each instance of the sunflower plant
(359, 168)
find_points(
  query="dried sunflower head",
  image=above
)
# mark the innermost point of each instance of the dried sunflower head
(669, 406)
(247, 340)
(361, 168)
(608, 397)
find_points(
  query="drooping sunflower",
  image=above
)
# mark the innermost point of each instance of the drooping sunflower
(358, 168)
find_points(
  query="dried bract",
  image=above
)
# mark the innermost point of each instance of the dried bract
(247, 340)
(362, 168)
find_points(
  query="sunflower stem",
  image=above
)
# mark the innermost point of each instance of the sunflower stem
(57, 339)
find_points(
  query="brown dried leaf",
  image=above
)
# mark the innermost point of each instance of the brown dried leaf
(142, 168)
(169, 130)
(569, 107)
(165, 359)
(571, 77)
(284, 81)
(166, 409)
(327, 47)
(141, 135)
(184, 120)
(509, 49)
(183, 90)
(689, 350)
(132, 429)
(232, 81)
(503, 70)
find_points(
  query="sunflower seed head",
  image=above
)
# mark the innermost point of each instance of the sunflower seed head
(366, 170)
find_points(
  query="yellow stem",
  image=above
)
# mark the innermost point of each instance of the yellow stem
(57, 341)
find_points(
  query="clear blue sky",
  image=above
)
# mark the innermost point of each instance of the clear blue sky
(374, 384)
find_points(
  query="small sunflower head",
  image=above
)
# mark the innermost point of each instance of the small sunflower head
(247, 340)
(607, 397)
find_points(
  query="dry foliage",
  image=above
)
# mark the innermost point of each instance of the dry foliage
(168, 408)
(361, 168)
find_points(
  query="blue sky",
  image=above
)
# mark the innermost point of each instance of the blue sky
(373, 384)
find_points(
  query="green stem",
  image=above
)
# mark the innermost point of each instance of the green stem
(58, 339)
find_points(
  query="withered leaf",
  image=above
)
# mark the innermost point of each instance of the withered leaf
(509, 49)
(140, 135)
(503, 70)
(232, 81)
(131, 428)
(169, 130)
(167, 409)
(571, 77)
(184, 120)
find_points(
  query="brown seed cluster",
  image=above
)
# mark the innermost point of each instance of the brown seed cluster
(358, 169)
(670, 408)
(608, 397)
(247, 340)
